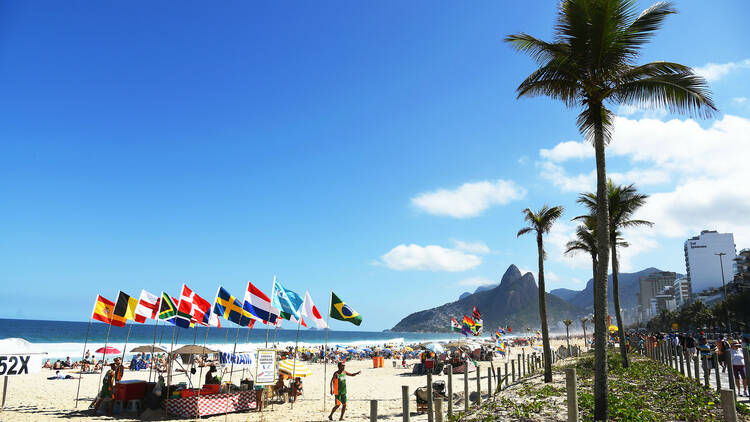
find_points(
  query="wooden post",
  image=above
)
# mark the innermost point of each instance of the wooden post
(687, 363)
(439, 410)
(430, 398)
(727, 402)
(705, 370)
(730, 372)
(522, 365)
(507, 378)
(405, 402)
(489, 382)
(5, 390)
(680, 354)
(466, 387)
(450, 390)
(373, 411)
(513, 366)
(715, 359)
(695, 369)
(570, 385)
(479, 386)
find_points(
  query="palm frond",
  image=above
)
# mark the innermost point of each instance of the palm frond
(679, 92)
(539, 50)
(523, 231)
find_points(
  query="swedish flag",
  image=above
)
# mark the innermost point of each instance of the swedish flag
(229, 307)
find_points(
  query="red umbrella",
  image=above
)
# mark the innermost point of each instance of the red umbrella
(108, 351)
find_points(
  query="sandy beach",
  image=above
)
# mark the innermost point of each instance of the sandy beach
(34, 397)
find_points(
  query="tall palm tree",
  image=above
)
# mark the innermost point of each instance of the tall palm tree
(584, 320)
(591, 64)
(541, 222)
(567, 323)
(623, 202)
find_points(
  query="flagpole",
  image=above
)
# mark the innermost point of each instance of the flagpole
(294, 358)
(83, 355)
(130, 327)
(169, 371)
(200, 373)
(106, 342)
(275, 330)
(325, 350)
(268, 328)
(247, 340)
(231, 369)
(153, 347)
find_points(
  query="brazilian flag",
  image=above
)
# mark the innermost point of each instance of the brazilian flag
(343, 312)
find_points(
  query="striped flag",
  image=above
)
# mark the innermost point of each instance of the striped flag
(125, 309)
(148, 306)
(103, 309)
(259, 305)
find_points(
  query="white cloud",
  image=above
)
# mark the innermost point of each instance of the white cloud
(429, 258)
(476, 282)
(470, 199)
(523, 160)
(715, 71)
(550, 276)
(479, 248)
(567, 150)
(695, 176)
(739, 100)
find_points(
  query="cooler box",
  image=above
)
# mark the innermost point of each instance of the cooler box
(210, 389)
(130, 390)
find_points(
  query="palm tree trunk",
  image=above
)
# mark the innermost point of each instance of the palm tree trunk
(616, 295)
(601, 400)
(567, 337)
(543, 312)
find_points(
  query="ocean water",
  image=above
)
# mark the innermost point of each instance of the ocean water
(60, 339)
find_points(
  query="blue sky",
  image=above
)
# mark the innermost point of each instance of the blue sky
(376, 150)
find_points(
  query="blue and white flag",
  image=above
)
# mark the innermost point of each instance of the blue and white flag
(287, 301)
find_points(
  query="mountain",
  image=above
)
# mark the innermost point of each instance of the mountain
(629, 289)
(514, 302)
(477, 290)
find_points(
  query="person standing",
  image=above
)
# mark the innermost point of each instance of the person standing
(738, 366)
(690, 345)
(108, 390)
(338, 389)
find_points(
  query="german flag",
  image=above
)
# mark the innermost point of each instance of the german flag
(103, 309)
(124, 309)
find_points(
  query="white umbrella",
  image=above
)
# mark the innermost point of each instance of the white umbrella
(297, 369)
(435, 347)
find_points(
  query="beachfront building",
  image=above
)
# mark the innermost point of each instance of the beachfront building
(681, 291)
(702, 262)
(664, 301)
(652, 286)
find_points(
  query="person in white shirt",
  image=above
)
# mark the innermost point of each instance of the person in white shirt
(738, 365)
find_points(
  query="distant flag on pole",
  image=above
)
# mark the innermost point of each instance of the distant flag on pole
(230, 308)
(343, 312)
(259, 305)
(455, 326)
(467, 326)
(103, 309)
(125, 309)
(475, 313)
(287, 301)
(168, 308)
(310, 312)
(148, 306)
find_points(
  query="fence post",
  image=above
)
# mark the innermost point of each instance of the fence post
(705, 371)
(479, 385)
(466, 387)
(688, 361)
(430, 398)
(489, 382)
(507, 378)
(727, 402)
(715, 360)
(680, 354)
(730, 372)
(450, 390)
(439, 410)
(513, 366)
(373, 411)
(570, 385)
(695, 369)
(405, 402)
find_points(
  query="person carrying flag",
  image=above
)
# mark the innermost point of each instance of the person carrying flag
(338, 389)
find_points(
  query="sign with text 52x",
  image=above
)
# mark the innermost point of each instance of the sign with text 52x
(20, 364)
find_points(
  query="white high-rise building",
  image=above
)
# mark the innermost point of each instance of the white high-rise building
(701, 262)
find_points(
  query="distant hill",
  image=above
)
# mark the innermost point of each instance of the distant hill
(629, 289)
(478, 289)
(513, 302)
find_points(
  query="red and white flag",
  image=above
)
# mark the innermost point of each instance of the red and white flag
(147, 308)
(310, 313)
(193, 305)
(259, 305)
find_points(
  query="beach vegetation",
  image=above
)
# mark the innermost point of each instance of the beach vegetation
(591, 65)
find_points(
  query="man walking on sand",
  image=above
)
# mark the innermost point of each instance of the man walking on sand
(338, 389)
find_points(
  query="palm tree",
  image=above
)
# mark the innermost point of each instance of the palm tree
(541, 222)
(591, 65)
(567, 323)
(584, 320)
(623, 202)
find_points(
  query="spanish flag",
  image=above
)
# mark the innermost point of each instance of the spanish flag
(124, 309)
(103, 310)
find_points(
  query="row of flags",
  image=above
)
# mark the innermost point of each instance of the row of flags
(191, 309)
(468, 325)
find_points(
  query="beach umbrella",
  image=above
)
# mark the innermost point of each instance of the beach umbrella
(386, 350)
(435, 347)
(367, 349)
(297, 368)
(351, 350)
(408, 349)
(108, 351)
(612, 328)
(148, 349)
(193, 349)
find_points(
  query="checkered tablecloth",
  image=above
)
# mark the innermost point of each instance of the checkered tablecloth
(215, 404)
